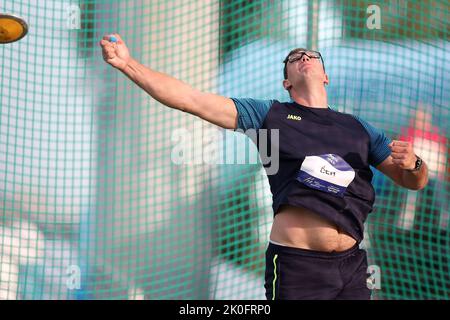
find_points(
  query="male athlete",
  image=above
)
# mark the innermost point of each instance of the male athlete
(322, 192)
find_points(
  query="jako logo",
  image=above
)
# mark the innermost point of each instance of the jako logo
(293, 117)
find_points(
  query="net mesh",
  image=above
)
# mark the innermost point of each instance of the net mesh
(107, 194)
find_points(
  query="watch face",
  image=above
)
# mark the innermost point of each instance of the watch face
(418, 163)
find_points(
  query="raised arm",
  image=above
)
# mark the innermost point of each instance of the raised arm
(169, 91)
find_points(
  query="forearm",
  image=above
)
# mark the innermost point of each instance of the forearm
(166, 89)
(415, 180)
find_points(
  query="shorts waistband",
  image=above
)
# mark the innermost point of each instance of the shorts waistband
(312, 253)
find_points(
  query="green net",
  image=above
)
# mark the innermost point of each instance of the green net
(99, 202)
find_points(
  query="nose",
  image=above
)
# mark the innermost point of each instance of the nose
(305, 58)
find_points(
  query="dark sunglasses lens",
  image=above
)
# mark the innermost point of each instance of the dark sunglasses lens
(298, 55)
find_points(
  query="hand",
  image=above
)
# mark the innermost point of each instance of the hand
(115, 53)
(403, 154)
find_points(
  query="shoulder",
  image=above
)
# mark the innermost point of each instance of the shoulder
(256, 104)
(371, 129)
(252, 112)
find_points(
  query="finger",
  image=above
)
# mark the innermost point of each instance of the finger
(109, 49)
(399, 149)
(397, 156)
(398, 162)
(109, 54)
(105, 43)
(399, 143)
(105, 56)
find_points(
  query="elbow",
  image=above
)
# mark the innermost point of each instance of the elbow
(419, 185)
(424, 181)
(423, 184)
(416, 187)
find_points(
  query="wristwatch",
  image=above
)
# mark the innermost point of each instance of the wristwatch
(418, 164)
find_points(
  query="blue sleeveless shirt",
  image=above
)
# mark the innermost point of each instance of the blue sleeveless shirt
(324, 159)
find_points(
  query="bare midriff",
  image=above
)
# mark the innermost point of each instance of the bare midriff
(302, 228)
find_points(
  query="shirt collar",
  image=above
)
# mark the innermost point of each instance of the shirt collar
(292, 101)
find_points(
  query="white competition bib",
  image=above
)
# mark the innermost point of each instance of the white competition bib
(327, 172)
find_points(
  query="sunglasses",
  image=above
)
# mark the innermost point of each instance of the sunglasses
(299, 54)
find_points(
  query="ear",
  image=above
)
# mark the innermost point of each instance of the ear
(287, 84)
(326, 80)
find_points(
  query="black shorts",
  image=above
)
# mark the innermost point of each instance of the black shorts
(296, 274)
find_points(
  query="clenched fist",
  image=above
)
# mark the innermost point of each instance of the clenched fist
(403, 154)
(115, 52)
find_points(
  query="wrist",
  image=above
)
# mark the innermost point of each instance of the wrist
(417, 165)
(126, 66)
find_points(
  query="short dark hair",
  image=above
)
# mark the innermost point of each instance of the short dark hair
(285, 61)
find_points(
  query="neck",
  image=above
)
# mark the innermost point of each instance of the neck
(308, 97)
